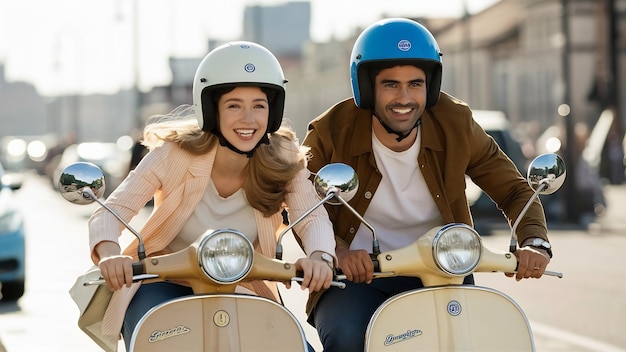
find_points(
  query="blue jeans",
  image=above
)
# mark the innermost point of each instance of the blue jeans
(151, 295)
(342, 315)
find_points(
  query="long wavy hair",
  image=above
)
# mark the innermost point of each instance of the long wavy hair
(269, 170)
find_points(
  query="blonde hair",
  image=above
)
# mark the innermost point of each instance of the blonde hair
(269, 170)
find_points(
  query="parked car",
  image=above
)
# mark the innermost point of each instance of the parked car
(590, 194)
(111, 158)
(12, 240)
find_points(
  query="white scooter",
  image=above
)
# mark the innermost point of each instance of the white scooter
(215, 318)
(446, 315)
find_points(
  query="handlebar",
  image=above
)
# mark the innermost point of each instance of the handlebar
(142, 277)
(378, 273)
(139, 275)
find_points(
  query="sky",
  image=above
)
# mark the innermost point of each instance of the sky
(94, 46)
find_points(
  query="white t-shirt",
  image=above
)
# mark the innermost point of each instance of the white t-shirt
(402, 209)
(216, 212)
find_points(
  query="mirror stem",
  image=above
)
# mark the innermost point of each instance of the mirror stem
(513, 244)
(375, 244)
(279, 247)
(141, 251)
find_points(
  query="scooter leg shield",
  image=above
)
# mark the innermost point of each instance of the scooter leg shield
(457, 318)
(219, 323)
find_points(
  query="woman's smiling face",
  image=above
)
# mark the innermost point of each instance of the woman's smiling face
(243, 116)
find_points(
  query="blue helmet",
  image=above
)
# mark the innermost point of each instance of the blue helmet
(391, 42)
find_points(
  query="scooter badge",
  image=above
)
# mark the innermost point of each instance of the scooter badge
(454, 308)
(221, 318)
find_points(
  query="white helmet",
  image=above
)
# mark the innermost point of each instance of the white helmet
(233, 64)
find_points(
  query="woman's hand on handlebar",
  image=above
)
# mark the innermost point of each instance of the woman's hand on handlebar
(116, 269)
(316, 274)
(356, 265)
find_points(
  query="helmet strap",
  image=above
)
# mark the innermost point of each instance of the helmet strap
(391, 131)
(225, 143)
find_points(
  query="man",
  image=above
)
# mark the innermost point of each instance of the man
(411, 146)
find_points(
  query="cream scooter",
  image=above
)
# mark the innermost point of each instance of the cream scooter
(446, 315)
(215, 318)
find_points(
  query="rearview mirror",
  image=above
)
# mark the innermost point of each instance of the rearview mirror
(77, 178)
(547, 170)
(338, 178)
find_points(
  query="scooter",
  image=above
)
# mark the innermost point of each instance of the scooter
(446, 315)
(214, 318)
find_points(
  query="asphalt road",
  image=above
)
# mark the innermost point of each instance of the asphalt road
(584, 311)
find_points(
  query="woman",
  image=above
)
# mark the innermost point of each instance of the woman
(231, 163)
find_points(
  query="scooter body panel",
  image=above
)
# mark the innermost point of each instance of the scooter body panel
(449, 318)
(230, 322)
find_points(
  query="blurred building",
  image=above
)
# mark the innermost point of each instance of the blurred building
(22, 109)
(283, 28)
(94, 117)
(514, 56)
(508, 57)
(25, 125)
(531, 58)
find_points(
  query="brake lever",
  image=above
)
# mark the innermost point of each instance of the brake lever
(551, 273)
(136, 278)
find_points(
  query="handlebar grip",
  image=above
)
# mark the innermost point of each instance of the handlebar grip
(138, 268)
(375, 261)
(138, 275)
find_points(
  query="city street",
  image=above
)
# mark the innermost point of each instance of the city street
(583, 311)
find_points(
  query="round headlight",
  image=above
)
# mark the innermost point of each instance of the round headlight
(457, 249)
(225, 255)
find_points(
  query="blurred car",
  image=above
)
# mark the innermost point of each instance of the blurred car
(12, 240)
(484, 211)
(110, 157)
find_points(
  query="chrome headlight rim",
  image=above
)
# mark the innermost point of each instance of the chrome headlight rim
(248, 257)
(475, 250)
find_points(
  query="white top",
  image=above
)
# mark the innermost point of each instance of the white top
(216, 212)
(402, 209)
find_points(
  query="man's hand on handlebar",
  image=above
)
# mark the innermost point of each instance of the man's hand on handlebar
(531, 263)
(356, 265)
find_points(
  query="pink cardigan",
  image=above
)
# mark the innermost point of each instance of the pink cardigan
(177, 179)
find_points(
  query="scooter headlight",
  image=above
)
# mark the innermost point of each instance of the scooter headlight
(457, 249)
(225, 255)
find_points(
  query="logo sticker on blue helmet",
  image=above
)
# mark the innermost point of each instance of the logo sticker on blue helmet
(249, 68)
(404, 45)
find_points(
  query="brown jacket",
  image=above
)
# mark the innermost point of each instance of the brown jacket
(453, 145)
